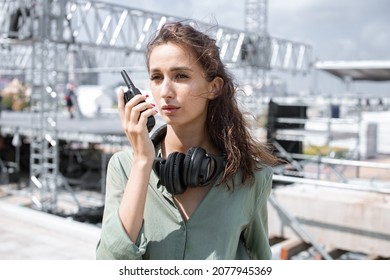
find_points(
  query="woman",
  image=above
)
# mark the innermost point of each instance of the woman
(226, 217)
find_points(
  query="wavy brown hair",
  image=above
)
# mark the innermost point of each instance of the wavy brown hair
(229, 130)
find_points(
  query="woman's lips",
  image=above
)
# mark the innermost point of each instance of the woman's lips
(169, 109)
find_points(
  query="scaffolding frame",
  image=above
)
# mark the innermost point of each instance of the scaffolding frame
(51, 35)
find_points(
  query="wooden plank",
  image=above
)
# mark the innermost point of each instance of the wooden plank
(375, 257)
(292, 247)
(274, 239)
(334, 253)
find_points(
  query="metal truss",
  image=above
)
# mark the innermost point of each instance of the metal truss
(47, 81)
(118, 35)
(48, 41)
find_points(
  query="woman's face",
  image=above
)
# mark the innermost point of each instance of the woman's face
(178, 86)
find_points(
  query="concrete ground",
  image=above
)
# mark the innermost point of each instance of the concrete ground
(28, 234)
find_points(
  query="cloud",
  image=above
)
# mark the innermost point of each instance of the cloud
(375, 36)
(336, 29)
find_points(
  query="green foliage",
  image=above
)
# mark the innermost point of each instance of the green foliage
(326, 150)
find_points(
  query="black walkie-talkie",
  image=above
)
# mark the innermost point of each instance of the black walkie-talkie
(131, 92)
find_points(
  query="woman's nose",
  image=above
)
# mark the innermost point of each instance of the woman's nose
(166, 90)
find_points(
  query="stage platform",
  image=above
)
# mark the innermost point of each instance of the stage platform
(100, 129)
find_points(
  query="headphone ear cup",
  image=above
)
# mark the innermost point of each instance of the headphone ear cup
(193, 166)
(187, 167)
(204, 171)
(173, 173)
(168, 171)
(177, 174)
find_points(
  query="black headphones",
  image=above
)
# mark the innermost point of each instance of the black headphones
(180, 171)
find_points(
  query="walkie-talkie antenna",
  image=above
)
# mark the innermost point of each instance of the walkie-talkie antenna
(132, 89)
(127, 80)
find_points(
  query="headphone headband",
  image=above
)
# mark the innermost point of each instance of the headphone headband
(159, 135)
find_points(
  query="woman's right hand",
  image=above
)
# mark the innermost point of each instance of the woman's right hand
(134, 116)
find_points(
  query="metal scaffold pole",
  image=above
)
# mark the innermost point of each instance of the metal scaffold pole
(47, 81)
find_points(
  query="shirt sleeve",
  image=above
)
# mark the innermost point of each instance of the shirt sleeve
(114, 242)
(256, 233)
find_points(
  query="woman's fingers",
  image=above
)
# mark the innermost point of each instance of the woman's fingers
(143, 118)
(134, 114)
(135, 107)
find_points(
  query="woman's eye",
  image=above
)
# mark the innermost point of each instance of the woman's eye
(155, 77)
(181, 76)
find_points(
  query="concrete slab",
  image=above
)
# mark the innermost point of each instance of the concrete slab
(30, 234)
(355, 221)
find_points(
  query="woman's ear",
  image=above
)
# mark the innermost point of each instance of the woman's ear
(215, 87)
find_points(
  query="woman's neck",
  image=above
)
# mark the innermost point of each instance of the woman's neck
(181, 139)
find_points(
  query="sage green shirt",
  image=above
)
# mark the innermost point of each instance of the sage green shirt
(227, 225)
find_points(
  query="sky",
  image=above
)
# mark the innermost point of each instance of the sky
(336, 30)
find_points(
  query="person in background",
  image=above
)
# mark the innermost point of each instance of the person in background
(200, 189)
(69, 99)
